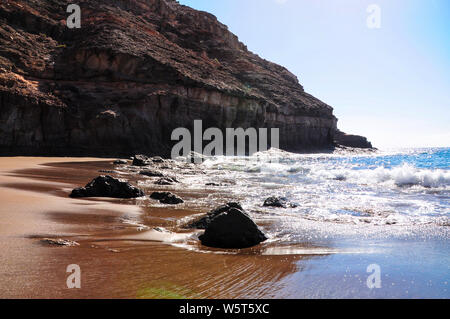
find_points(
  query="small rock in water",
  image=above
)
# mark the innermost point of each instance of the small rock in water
(280, 202)
(167, 198)
(120, 162)
(213, 184)
(141, 160)
(171, 199)
(59, 242)
(105, 171)
(159, 195)
(166, 181)
(151, 173)
(107, 186)
(157, 159)
(204, 221)
(196, 158)
(232, 229)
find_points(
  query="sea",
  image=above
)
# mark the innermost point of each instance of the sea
(349, 213)
(403, 187)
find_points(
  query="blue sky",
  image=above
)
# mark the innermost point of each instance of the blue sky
(390, 84)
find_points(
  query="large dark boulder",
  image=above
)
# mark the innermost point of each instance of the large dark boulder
(107, 186)
(232, 229)
(204, 221)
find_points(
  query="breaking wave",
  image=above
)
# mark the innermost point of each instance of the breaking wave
(408, 187)
(405, 175)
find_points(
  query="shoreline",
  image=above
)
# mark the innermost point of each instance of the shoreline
(106, 233)
(122, 255)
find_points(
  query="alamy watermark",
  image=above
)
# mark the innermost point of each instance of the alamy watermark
(232, 142)
(374, 19)
(74, 279)
(374, 280)
(74, 20)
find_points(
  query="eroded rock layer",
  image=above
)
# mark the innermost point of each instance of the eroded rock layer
(133, 72)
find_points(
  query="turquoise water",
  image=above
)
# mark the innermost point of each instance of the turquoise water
(390, 208)
(397, 187)
(437, 158)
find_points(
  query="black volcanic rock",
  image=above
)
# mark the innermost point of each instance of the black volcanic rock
(355, 141)
(157, 159)
(107, 186)
(134, 72)
(166, 198)
(159, 195)
(120, 162)
(232, 229)
(275, 202)
(141, 160)
(212, 184)
(166, 181)
(204, 221)
(280, 202)
(171, 199)
(151, 173)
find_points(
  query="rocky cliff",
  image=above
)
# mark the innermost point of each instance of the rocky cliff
(132, 73)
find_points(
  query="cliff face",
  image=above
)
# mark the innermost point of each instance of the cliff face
(132, 73)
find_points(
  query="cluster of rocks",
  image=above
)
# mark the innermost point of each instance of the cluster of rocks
(227, 226)
(107, 186)
(163, 179)
(230, 227)
(142, 160)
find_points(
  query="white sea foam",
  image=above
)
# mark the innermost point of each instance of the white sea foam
(405, 175)
(358, 190)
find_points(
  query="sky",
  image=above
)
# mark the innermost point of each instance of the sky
(389, 82)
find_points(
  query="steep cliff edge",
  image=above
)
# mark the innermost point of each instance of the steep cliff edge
(132, 73)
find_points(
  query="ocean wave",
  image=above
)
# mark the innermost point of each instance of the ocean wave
(410, 188)
(401, 176)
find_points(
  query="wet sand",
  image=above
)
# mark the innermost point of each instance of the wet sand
(116, 259)
(136, 249)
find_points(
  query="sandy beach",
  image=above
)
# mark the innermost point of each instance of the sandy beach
(162, 149)
(117, 261)
(135, 249)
